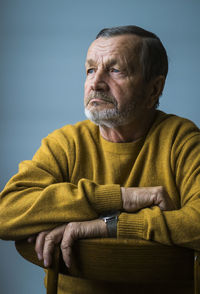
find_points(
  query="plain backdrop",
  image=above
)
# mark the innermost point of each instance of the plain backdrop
(43, 44)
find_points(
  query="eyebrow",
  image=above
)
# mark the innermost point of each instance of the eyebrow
(110, 62)
(89, 62)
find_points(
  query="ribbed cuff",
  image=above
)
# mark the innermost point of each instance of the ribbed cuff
(130, 225)
(108, 197)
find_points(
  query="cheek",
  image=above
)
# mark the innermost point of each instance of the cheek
(86, 88)
(115, 88)
(88, 84)
(119, 91)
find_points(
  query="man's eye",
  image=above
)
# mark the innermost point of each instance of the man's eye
(114, 70)
(90, 70)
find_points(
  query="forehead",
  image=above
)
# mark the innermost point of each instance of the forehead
(118, 47)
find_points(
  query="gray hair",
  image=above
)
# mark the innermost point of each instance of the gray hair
(153, 56)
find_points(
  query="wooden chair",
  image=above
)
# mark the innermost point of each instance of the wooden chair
(144, 262)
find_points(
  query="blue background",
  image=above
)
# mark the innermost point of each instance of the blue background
(43, 44)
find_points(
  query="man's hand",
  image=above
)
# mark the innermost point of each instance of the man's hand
(66, 235)
(134, 199)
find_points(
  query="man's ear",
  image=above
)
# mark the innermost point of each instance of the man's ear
(156, 87)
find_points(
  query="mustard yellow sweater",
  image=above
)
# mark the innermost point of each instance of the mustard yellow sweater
(76, 175)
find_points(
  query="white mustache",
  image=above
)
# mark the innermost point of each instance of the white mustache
(102, 96)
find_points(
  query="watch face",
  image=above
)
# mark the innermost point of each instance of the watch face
(110, 218)
(113, 216)
(111, 223)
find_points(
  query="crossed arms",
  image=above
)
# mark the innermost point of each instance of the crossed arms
(52, 195)
(133, 199)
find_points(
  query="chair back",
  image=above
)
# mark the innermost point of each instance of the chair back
(135, 262)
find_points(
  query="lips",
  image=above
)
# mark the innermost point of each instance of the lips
(100, 98)
(97, 100)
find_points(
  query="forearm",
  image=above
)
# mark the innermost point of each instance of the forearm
(178, 227)
(35, 202)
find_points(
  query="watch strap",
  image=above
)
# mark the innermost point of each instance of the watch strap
(111, 220)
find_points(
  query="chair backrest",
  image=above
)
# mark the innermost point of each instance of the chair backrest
(131, 261)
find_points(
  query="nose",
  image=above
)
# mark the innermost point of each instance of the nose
(99, 81)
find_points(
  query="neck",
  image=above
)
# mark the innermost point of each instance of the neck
(130, 132)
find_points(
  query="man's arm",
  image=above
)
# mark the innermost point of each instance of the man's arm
(133, 199)
(29, 210)
(66, 235)
(41, 196)
(180, 226)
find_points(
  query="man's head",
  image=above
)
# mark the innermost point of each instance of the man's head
(126, 69)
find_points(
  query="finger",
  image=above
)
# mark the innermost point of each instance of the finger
(51, 239)
(71, 234)
(163, 200)
(67, 255)
(39, 244)
(48, 250)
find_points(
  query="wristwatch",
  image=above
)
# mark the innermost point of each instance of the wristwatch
(111, 220)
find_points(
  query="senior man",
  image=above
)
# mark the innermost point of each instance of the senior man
(130, 162)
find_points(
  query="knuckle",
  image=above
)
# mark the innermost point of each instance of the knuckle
(70, 234)
(71, 226)
(49, 238)
(64, 245)
(161, 189)
(39, 241)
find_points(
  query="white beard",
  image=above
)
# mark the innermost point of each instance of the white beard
(111, 117)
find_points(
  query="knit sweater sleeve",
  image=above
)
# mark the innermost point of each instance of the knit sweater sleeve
(41, 195)
(181, 226)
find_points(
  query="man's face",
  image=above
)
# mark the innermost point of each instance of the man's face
(115, 93)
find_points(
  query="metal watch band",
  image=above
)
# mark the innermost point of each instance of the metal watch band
(111, 223)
